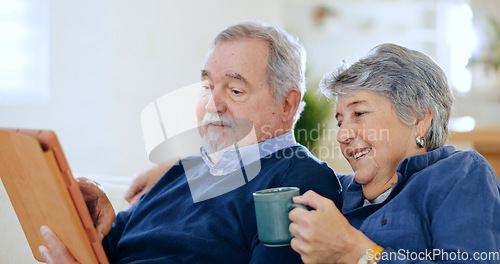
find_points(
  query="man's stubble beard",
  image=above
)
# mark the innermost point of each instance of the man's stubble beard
(215, 141)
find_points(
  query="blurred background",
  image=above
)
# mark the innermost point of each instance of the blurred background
(86, 69)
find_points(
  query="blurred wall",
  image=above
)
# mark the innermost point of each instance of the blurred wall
(109, 59)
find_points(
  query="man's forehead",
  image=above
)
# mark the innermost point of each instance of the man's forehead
(229, 75)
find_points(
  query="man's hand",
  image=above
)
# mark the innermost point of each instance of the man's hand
(143, 182)
(57, 252)
(100, 207)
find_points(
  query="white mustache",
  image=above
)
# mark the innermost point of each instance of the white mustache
(210, 118)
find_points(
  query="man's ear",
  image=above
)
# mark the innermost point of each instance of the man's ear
(422, 125)
(290, 104)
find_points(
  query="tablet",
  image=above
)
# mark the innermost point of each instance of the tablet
(42, 190)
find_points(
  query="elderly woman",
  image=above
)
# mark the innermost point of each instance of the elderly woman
(411, 197)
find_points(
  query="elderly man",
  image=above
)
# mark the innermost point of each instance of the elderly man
(253, 84)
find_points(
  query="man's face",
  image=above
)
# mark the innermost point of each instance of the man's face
(236, 104)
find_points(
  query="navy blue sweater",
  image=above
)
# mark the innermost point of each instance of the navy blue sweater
(166, 226)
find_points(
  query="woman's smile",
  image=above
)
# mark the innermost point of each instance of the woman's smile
(360, 153)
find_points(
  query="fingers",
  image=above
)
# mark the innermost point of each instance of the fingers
(301, 222)
(298, 214)
(144, 181)
(105, 217)
(51, 239)
(44, 251)
(294, 230)
(56, 252)
(295, 244)
(134, 191)
(139, 185)
(324, 235)
(137, 197)
(91, 190)
(136, 187)
(306, 251)
(104, 221)
(100, 208)
(313, 200)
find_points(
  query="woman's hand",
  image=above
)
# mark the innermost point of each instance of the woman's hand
(100, 208)
(324, 235)
(143, 182)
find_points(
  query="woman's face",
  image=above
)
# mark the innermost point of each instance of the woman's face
(373, 139)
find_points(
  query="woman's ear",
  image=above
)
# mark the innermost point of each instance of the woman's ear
(291, 104)
(422, 125)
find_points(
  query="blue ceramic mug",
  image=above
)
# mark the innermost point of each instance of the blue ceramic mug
(271, 209)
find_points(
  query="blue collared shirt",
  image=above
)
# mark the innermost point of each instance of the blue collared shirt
(444, 201)
(230, 159)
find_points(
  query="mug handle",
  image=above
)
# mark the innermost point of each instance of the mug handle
(293, 205)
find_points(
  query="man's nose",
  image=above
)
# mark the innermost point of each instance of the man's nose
(217, 102)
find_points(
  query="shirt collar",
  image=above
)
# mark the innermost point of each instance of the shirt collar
(416, 163)
(230, 159)
(378, 199)
(353, 197)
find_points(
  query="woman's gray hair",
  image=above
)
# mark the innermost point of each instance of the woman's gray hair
(411, 80)
(286, 66)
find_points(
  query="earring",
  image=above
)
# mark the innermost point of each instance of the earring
(420, 142)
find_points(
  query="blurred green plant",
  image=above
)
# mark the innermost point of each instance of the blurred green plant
(311, 125)
(489, 56)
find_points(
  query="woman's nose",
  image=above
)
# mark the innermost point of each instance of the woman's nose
(346, 134)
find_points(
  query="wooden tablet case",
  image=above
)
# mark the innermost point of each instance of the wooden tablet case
(43, 191)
